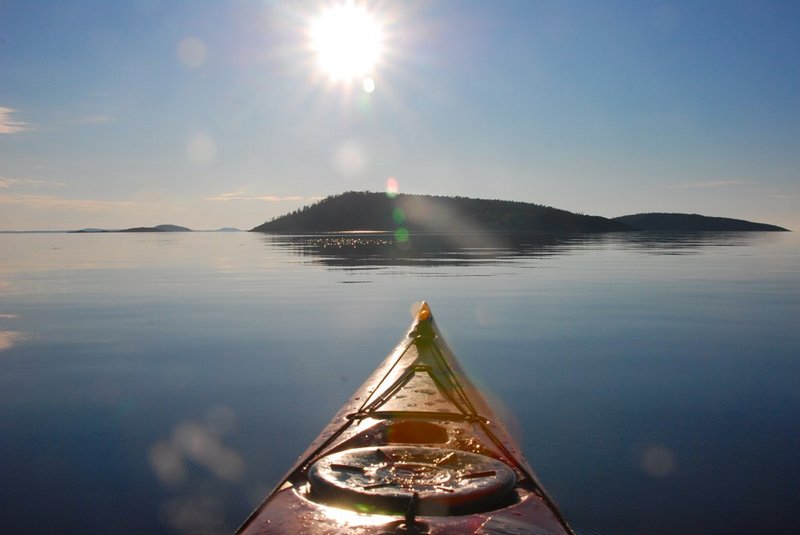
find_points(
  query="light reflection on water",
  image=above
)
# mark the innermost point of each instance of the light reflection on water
(200, 444)
(375, 250)
(163, 383)
(9, 338)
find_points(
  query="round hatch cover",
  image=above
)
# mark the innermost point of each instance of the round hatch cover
(384, 479)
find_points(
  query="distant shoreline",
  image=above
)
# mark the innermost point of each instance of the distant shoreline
(374, 212)
(113, 231)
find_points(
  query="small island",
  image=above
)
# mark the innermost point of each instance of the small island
(662, 222)
(379, 212)
(157, 228)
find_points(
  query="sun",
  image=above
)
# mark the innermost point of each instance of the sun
(348, 42)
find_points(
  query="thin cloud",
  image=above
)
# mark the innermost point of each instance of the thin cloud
(9, 125)
(709, 184)
(51, 201)
(11, 182)
(241, 195)
(95, 119)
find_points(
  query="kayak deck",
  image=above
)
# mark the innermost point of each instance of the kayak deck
(416, 450)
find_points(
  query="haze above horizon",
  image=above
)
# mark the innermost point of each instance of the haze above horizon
(225, 114)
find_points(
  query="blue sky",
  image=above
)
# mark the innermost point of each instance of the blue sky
(212, 114)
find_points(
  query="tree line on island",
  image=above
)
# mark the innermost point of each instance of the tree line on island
(371, 211)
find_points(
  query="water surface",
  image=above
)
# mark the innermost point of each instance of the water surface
(162, 383)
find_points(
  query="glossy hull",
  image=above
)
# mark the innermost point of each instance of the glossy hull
(417, 449)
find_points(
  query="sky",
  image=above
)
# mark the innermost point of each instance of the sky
(213, 114)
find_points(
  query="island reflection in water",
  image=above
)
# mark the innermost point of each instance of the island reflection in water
(377, 249)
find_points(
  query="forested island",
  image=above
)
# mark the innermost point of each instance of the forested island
(693, 222)
(364, 211)
(370, 211)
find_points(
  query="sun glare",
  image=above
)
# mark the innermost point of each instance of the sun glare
(348, 42)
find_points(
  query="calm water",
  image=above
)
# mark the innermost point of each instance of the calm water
(163, 383)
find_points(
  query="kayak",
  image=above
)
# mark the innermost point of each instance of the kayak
(416, 450)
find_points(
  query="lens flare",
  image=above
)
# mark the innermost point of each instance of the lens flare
(202, 445)
(391, 187)
(201, 149)
(658, 462)
(192, 52)
(368, 84)
(398, 216)
(349, 159)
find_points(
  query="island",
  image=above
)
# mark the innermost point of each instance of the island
(379, 212)
(371, 211)
(157, 228)
(670, 222)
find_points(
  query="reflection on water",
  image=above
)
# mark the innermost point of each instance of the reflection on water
(686, 242)
(455, 249)
(463, 249)
(9, 338)
(190, 509)
(200, 443)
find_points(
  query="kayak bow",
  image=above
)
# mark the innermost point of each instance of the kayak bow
(416, 450)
